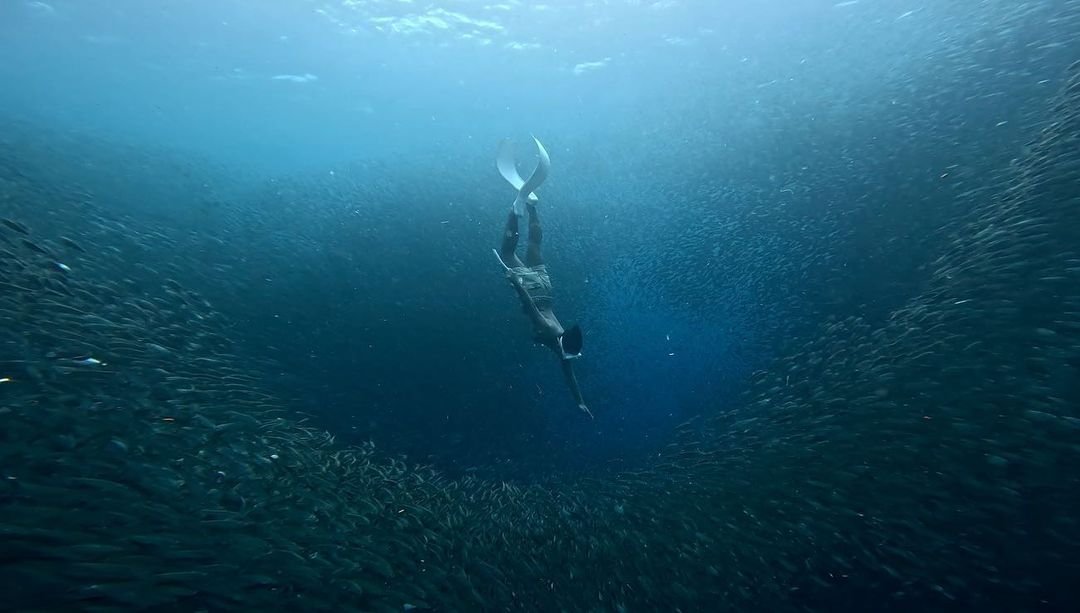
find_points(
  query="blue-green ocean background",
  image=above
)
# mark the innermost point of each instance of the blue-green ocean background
(730, 182)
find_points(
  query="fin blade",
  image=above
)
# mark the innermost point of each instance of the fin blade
(506, 165)
(539, 174)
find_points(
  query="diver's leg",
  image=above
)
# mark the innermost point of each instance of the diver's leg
(509, 242)
(532, 255)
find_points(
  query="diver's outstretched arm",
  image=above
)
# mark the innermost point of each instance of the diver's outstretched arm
(571, 380)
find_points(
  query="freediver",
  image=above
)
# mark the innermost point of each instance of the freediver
(530, 279)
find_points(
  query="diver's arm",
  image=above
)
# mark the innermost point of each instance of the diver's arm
(571, 380)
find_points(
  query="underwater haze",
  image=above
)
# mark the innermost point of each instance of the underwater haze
(256, 352)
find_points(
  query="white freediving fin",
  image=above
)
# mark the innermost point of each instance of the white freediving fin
(506, 165)
(508, 169)
(538, 176)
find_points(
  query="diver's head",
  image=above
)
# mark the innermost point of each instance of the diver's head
(570, 343)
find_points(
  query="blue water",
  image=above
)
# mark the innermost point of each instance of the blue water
(749, 208)
(295, 85)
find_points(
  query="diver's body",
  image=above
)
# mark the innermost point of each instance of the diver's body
(533, 286)
(530, 278)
